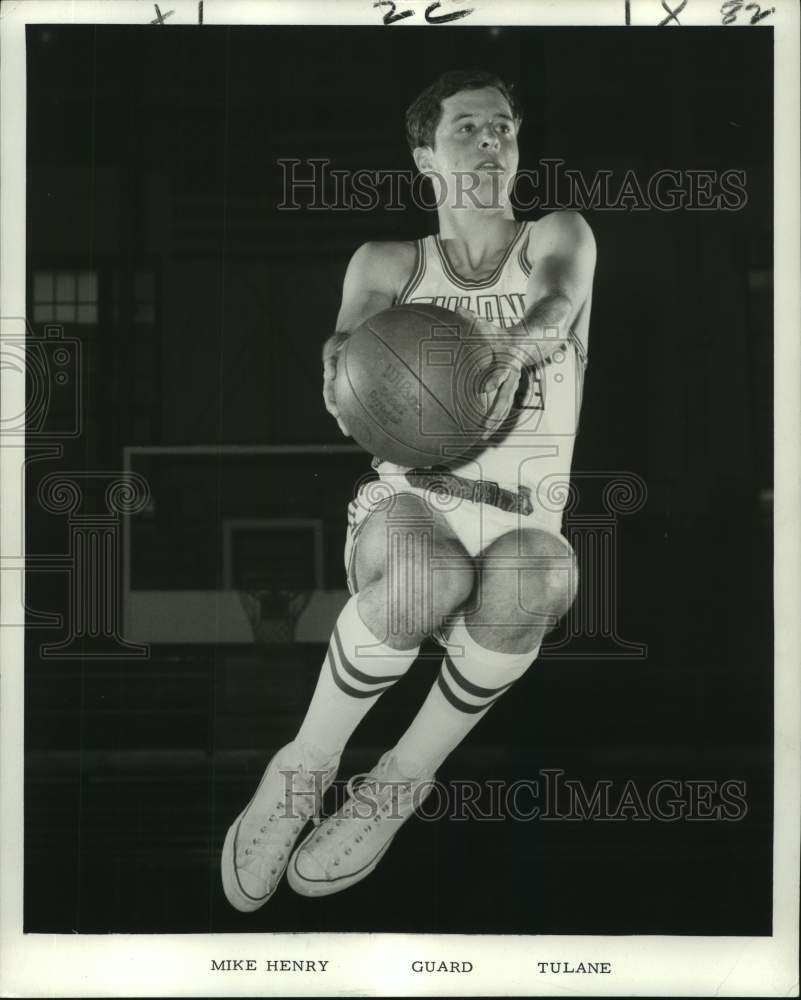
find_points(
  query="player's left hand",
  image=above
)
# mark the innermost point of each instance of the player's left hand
(502, 366)
(331, 349)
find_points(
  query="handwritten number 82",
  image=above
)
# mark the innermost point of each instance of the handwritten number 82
(731, 8)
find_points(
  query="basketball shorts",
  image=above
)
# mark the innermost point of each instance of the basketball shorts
(476, 525)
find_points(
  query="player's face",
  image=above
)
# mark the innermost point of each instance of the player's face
(475, 148)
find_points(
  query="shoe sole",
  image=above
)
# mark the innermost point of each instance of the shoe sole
(327, 887)
(232, 887)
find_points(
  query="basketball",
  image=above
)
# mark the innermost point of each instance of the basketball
(407, 386)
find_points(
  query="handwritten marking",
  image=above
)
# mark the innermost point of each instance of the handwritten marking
(391, 17)
(200, 12)
(760, 14)
(672, 12)
(444, 18)
(161, 18)
(731, 8)
(628, 12)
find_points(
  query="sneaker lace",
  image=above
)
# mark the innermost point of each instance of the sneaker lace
(301, 800)
(379, 795)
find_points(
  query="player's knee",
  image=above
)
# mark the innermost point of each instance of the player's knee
(550, 586)
(418, 601)
(527, 576)
(397, 536)
(408, 601)
(553, 590)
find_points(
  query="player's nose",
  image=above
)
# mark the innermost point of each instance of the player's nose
(489, 140)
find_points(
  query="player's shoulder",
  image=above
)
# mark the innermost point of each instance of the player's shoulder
(386, 262)
(387, 253)
(565, 224)
(563, 234)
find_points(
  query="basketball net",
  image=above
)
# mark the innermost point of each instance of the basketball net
(273, 613)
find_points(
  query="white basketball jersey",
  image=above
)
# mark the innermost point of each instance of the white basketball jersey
(537, 449)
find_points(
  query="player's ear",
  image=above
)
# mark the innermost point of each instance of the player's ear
(424, 159)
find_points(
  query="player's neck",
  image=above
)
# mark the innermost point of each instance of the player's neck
(477, 236)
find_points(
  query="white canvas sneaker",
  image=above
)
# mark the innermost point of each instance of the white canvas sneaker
(259, 842)
(347, 846)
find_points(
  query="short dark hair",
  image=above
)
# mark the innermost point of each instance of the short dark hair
(425, 112)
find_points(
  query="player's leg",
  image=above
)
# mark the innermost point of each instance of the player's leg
(410, 571)
(526, 581)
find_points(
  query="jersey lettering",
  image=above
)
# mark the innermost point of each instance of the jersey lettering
(502, 310)
(529, 395)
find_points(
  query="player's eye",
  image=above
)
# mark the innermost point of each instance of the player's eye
(466, 128)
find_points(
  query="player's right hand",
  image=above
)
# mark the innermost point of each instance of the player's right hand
(331, 349)
(502, 366)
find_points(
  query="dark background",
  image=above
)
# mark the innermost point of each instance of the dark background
(152, 162)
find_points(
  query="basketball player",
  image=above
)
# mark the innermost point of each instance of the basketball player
(490, 572)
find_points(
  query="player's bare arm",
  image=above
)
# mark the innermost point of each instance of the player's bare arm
(562, 254)
(562, 266)
(375, 276)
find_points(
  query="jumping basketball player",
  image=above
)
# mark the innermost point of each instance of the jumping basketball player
(500, 573)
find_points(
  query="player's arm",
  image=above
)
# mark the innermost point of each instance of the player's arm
(558, 298)
(375, 275)
(558, 292)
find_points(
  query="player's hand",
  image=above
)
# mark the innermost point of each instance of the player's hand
(501, 363)
(331, 350)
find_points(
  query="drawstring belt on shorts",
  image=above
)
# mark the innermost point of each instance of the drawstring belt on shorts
(440, 480)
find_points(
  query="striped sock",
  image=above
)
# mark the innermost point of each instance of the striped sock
(356, 671)
(469, 683)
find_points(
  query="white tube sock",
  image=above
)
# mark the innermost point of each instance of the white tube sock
(356, 671)
(470, 681)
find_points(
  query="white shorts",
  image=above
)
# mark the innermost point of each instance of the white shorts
(476, 525)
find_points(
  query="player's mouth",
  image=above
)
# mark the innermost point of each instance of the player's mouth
(491, 166)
